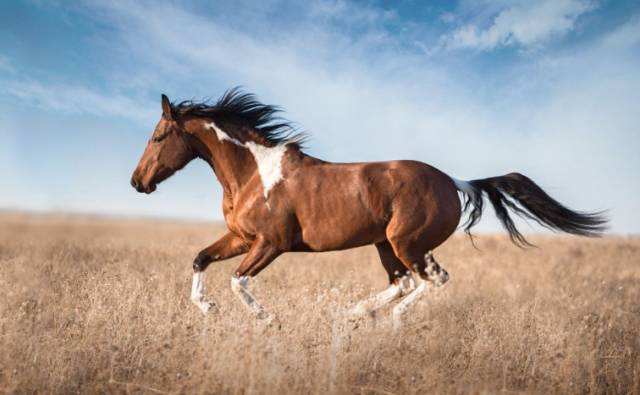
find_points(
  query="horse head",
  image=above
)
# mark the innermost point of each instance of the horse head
(167, 151)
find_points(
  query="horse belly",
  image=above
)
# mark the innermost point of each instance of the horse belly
(340, 229)
(339, 216)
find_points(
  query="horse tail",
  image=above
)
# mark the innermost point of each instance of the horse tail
(519, 194)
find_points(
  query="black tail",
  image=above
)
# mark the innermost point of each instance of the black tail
(518, 193)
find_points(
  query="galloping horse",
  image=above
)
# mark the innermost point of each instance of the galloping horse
(279, 199)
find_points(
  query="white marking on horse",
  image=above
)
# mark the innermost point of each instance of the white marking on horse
(404, 286)
(376, 301)
(240, 286)
(197, 292)
(404, 304)
(268, 159)
(222, 136)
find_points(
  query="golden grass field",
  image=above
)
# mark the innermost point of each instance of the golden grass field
(101, 305)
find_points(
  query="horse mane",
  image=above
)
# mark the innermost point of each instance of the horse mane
(245, 107)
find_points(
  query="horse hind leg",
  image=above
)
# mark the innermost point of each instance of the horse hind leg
(400, 283)
(430, 272)
(404, 304)
(413, 257)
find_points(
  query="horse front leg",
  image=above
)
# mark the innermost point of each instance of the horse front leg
(226, 247)
(260, 255)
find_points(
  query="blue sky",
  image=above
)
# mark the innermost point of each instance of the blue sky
(476, 88)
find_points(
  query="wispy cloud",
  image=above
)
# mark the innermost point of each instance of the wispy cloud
(626, 37)
(328, 80)
(342, 10)
(75, 99)
(524, 23)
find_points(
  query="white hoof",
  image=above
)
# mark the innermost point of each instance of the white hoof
(263, 315)
(205, 306)
(266, 321)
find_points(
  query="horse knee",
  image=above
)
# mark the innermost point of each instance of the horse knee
(201, 261)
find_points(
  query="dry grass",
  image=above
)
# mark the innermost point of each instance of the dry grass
(95, 305)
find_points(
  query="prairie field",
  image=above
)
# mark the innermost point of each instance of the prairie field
(102, 305)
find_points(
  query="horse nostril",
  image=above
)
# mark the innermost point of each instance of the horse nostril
(134, 183)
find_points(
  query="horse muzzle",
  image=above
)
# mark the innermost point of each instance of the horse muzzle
(140, 187)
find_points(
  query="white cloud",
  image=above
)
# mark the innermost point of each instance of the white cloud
(523, 23)
(75, 99)
(352, 13)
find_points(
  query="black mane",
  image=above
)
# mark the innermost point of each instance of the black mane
(242, 106)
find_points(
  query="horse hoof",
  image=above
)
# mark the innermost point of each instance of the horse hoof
(439, 280)
(267, 320)
(275, 324)
(442, 279)
(207, 307)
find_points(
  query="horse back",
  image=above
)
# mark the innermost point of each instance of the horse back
(346, 205)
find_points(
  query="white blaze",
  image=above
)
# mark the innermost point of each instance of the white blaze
(268, 159)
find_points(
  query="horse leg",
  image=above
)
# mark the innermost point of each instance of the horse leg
(433, 272)
(400, 283)
(429, 271)
(411, 254)
(226, 247)
(197, 293)
(404, 304)
(418, 226)
(260, 255)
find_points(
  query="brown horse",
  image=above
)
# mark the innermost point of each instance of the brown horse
(279, 199)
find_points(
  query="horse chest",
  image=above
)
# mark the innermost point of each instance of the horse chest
(245, 222)
(261, 219)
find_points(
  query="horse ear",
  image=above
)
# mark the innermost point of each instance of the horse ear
(167, 111)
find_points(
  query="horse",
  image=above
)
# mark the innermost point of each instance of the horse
(279, 199)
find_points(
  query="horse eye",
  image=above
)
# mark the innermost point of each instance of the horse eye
(159, 138)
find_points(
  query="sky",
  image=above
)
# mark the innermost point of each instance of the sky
(548, 88)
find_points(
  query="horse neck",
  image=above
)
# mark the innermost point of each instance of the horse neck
(231, 162)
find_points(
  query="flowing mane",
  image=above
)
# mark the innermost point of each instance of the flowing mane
(245, 108)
